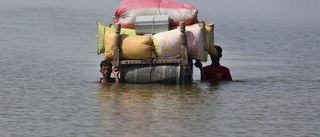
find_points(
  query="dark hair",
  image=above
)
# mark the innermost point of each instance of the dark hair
(105, 63)
(218, 48)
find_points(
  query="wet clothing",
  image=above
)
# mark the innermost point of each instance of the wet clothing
(111, 80)
(219, 73)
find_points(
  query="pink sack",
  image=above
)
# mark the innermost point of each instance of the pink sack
(128, 10)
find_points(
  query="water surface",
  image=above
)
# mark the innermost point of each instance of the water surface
(49, 66)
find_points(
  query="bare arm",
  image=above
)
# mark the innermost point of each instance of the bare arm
(198, 64)
(116, 75)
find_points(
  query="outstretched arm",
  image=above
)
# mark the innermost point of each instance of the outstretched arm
(198, 64)
(116, 75)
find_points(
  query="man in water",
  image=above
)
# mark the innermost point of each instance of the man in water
(215, 71)
(106, 69)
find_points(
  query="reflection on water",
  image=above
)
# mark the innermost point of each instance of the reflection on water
(224, 108)
(49, 64)
(146, 110)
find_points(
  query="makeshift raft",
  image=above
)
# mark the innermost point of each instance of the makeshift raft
(176, 70)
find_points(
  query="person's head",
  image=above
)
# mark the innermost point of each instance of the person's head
(216, 59)
(219, 50)
(105, 68)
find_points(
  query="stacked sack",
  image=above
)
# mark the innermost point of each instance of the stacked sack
(164, 44)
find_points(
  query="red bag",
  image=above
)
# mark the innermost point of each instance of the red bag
(128, 10)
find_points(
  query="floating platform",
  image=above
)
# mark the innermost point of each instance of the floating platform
(168, 72)
(176, 70)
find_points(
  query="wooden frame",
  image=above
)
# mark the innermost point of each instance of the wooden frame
(182, 60)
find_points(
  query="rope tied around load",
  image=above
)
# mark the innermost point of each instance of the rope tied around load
(149, 61)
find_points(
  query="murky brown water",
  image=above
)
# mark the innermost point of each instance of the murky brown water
(49, 66)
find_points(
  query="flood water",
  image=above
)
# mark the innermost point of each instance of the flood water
(48, 69)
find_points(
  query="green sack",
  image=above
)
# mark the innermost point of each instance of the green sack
(101, 27)
(100, 38)
(123, 30)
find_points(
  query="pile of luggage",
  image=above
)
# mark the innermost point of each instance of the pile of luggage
(150, 30)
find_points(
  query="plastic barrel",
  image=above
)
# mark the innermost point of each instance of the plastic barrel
(163, 74)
